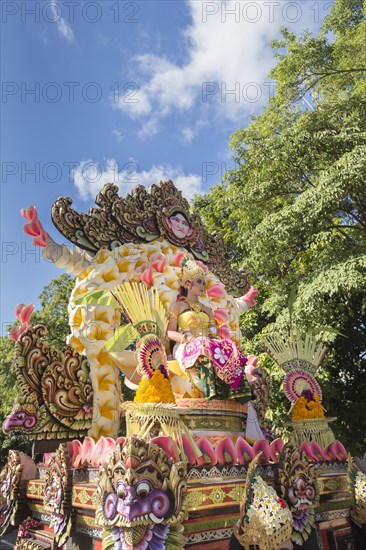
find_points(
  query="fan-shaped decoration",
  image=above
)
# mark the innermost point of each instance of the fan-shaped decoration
(298, 380)
(296, 351)
(151, 357)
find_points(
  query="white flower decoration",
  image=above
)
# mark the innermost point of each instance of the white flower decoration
(220, 356)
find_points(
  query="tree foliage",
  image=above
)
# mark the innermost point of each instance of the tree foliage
(53, 314)
(294, 210)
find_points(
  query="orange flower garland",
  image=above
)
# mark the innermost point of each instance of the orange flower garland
(304, 409)
(157, 389)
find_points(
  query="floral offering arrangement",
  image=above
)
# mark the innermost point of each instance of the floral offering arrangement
(156, 389)
(308, 406)
(270, 509)
(27, 524)
(360, 488)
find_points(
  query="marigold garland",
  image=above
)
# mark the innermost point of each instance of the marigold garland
(307, 407)
(157, 389)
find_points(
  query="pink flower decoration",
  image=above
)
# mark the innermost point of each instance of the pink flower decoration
(158, 261)
(221, 315)
(248, 300)
(216, 291)
(224, 332)
(34, 228)
(147, 276)
(24, 313)
(15, 332)
(30, 213)
(178, 258)
(251, 368)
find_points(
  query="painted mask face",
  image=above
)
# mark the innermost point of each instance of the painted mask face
(179, 226)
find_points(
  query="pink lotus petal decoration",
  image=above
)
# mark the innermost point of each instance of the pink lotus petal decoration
(216, 291)
(34, 228)
(261, 446)
(340, 451)
(30, 213)
(244, 451)
(224, 332)
(75, 452)
(188, 450)
(146, 274)
(206, 448)
(221, 315)
(318, 454)
(226, 446)
(88, 448)
(24, 313)
(275, 449)
(103, 447)
(166, 443)
(47, 457)
(16, 332)
(158, 261)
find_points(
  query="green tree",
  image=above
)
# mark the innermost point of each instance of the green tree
(53, 314)
(294, 210)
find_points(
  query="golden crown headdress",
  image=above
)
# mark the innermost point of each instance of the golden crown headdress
(190, 271)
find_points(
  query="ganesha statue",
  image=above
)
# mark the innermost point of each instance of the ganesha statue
(141, 498)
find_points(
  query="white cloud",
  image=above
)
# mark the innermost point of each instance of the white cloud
(89, 177)
(63, 28)
(150, 128)
(228, 60)
(118, 135)
(187, 135)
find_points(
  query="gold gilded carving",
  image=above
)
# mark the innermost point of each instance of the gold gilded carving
(56, 391)
(143, 216)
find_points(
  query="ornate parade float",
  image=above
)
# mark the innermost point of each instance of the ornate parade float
(191, 461)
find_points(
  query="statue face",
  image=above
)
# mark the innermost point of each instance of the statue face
(179, 225)
(140, 492)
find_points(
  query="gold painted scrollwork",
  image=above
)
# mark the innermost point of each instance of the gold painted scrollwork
(143, 216)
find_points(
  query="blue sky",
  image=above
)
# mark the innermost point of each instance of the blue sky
(125, 92)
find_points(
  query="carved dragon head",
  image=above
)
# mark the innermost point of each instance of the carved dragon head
(141, 494)
(24, 416)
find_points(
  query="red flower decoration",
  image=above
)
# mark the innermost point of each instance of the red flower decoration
(281, 502)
